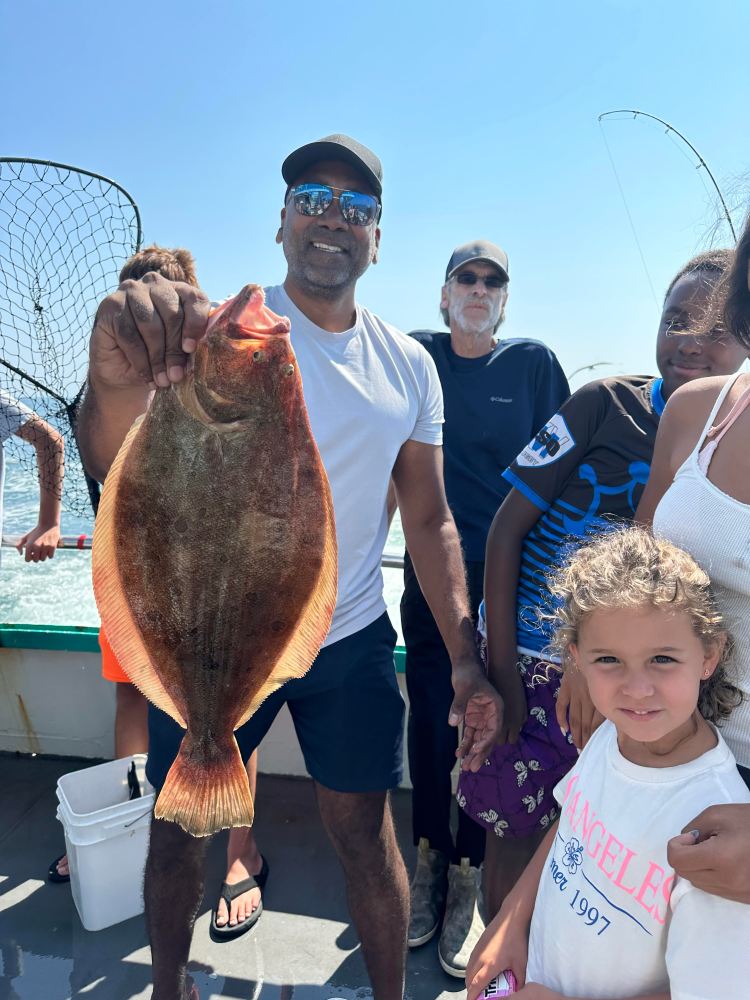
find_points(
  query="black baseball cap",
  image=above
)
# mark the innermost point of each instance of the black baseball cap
(478, 250)
(335, 147)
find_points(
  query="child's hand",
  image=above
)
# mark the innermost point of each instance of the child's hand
(40, 543)
(499, 948)
(533, 991)
(515, 707)
(574, 708)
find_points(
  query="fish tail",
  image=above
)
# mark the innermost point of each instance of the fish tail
(206, 789)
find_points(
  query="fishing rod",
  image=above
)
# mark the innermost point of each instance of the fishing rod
(701, 162)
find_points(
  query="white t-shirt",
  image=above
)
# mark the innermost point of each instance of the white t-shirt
(610, 918)
(367, 391)
(13, 415)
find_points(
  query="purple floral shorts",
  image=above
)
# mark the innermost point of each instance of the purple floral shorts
(511, 794)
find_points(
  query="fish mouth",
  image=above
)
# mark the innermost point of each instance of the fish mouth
(247, 318)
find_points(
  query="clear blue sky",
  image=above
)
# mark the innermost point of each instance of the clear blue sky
(484, 115)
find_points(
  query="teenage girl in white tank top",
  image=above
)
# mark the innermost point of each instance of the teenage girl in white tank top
(698, 495)
(714, 528)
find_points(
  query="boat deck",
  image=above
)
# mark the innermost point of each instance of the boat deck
(304, 946)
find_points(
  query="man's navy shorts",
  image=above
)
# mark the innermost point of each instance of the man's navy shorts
(347, 710)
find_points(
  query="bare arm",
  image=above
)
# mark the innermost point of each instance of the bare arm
(679, 428)
(662, 471)
(143, 334)
(41, 542)
(391, 504)
(513, 521)
(504, 942)
(104, 419)
(435, 550)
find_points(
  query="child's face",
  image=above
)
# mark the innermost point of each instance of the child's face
(644, 667)
(685, 349)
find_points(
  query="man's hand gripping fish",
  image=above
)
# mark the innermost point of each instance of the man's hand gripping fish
(214, 556)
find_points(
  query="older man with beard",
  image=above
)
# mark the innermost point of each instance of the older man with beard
(497, 393)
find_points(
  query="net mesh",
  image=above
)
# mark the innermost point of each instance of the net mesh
(64, 235)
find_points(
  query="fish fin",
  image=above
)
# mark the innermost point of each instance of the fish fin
(119, 627)
(315, 620)
(206, 789)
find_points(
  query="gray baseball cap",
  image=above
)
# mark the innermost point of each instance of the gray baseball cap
(478, 250)
(335, 147)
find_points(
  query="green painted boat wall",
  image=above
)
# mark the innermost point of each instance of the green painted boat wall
(81, 639)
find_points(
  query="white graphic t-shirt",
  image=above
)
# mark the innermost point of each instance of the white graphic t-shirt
(611, 919)
(367, 391)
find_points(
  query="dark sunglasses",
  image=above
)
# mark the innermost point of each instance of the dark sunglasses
(357, 209)
(469, 278)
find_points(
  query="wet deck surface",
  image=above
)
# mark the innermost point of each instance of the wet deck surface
(304, 946)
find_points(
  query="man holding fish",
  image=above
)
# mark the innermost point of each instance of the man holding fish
(375, 411)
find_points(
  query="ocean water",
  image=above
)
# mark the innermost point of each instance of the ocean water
(59, 591)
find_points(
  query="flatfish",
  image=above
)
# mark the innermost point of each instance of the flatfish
(214, 554)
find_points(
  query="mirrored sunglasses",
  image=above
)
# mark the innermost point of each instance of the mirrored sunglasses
(470, 278)
(357, 208)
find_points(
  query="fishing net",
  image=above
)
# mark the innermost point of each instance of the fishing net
(64, 235)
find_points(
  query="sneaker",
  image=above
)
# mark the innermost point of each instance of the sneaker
(463, 925)
(428, 890)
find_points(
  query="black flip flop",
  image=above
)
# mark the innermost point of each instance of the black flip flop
(53, 875)
(230, 892)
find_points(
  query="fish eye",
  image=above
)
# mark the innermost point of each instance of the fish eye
(287, 370)
(259, 355)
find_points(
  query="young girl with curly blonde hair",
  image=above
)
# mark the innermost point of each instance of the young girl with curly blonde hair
(610, 920)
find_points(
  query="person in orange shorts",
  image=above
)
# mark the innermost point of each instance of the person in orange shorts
(244, 862)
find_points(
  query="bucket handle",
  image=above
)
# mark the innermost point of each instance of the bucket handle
(132, 822)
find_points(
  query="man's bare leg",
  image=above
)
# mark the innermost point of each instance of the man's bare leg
(131, 734)
(504, 861)
(131, 721)
(243, 860)
(173, 891)
(360, 827)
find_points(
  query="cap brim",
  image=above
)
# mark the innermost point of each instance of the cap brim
(314, 152)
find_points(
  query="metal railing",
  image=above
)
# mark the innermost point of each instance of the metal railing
(390, 560)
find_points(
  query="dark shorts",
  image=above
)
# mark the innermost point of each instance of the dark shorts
(347, 710)
(511, 794)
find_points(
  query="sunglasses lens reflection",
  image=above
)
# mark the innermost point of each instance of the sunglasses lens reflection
(357, 208)
(312, 199)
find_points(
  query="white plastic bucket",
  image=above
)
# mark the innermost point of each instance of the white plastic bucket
(106, 839)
